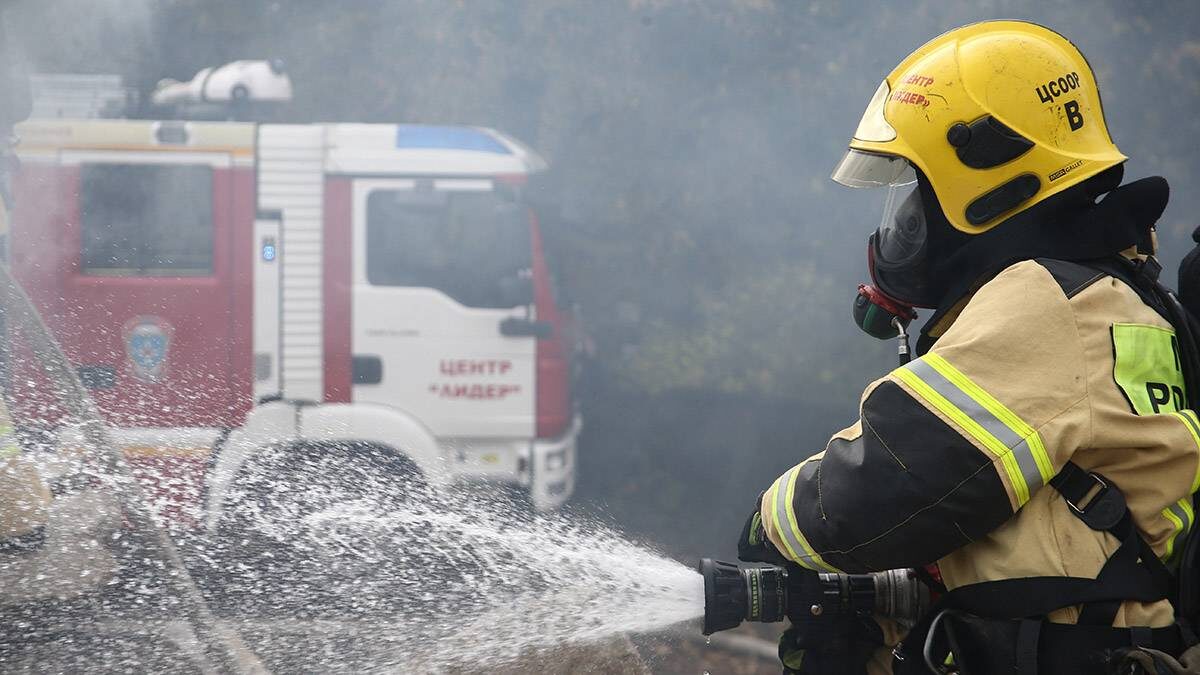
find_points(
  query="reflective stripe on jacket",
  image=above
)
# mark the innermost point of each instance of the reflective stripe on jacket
(952, 454)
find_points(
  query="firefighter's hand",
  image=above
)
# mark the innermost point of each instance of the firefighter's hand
(853, 644)
(791, 654)
(753, 545)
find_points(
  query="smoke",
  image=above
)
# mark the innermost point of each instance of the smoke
(81, 36)
(688, 208)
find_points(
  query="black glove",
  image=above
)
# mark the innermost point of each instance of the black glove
(841, 648)
(753, 545)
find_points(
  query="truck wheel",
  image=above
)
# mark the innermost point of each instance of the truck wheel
(299, 531)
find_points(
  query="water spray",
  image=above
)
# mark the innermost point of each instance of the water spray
(816, 602)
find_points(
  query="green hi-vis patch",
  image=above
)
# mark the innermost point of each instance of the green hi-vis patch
(1147, 368)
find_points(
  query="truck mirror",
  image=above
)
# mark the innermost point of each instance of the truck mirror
(518, 327)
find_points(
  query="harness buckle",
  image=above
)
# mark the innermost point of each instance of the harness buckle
(1104, 510)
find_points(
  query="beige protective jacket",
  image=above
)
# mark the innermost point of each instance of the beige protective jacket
(951, 458)
(24, 497)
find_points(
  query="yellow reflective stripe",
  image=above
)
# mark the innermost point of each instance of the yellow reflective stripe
(1182, 517)
(1188, 512)
(1002, 413)
(769, 519)
(1193, 426)
(990, 442)
(778, 514)
(812, 557)
(1178, 527)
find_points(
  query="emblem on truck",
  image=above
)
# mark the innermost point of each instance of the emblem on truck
(147, 343)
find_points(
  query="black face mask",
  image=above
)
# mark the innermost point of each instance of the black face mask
(906, 249)
(904, 257)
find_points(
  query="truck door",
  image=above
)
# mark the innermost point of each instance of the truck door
(441, 275)
(129, 259)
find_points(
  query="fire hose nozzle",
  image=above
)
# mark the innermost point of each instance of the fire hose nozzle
(734, 594)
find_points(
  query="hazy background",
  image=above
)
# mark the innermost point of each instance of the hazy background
(688, 209)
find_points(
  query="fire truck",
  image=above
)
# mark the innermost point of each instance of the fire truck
(227, 287)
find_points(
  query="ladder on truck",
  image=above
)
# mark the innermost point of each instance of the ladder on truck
(291, 187)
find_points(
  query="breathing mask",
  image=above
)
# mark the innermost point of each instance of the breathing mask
(898, 251)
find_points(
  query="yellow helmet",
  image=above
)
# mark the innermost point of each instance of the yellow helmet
(997, 115)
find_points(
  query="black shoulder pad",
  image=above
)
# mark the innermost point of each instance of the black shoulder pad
(1071, 277)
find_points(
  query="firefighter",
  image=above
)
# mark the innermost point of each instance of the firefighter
(48, 549)
(24, 497)
(1040, 448)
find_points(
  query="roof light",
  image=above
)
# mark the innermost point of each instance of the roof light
(411, 136)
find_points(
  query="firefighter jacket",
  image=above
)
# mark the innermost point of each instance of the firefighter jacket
(51, 547)
(952, 455)
(24, 497)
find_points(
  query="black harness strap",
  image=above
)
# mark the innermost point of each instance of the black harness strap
(1022, 647)
(1132, 572)
(1106, 511)
(1028, 634)
(1019, 606)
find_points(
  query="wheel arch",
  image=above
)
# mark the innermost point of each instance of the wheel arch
(305, 427)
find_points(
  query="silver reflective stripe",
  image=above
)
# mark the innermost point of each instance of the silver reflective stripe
(784, 524)
(990, 423)
(1187, 419)
(781, 513)
(1182, 514)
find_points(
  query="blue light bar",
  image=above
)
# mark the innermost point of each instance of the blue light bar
(410, 136)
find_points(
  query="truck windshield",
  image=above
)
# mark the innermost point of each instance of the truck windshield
(470, 245)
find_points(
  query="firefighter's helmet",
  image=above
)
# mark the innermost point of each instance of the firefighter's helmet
(997, 115)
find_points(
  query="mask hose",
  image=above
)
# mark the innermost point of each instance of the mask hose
(902, 340)
(882, 317)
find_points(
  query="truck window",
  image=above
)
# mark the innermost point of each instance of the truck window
(466, 244)
(146, 220)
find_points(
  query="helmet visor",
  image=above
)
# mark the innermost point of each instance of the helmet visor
(874, 125)
(900, 239)
(860, 169)
(898, 249)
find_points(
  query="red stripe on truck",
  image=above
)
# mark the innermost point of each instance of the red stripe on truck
(336, 290)
(241, 329)
(553, 383)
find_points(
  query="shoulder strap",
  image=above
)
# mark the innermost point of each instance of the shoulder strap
(1132, 572)
(1071, 277)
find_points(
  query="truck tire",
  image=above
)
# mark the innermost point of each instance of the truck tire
(296, 533)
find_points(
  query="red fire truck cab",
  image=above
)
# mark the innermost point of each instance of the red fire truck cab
(225, 287)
